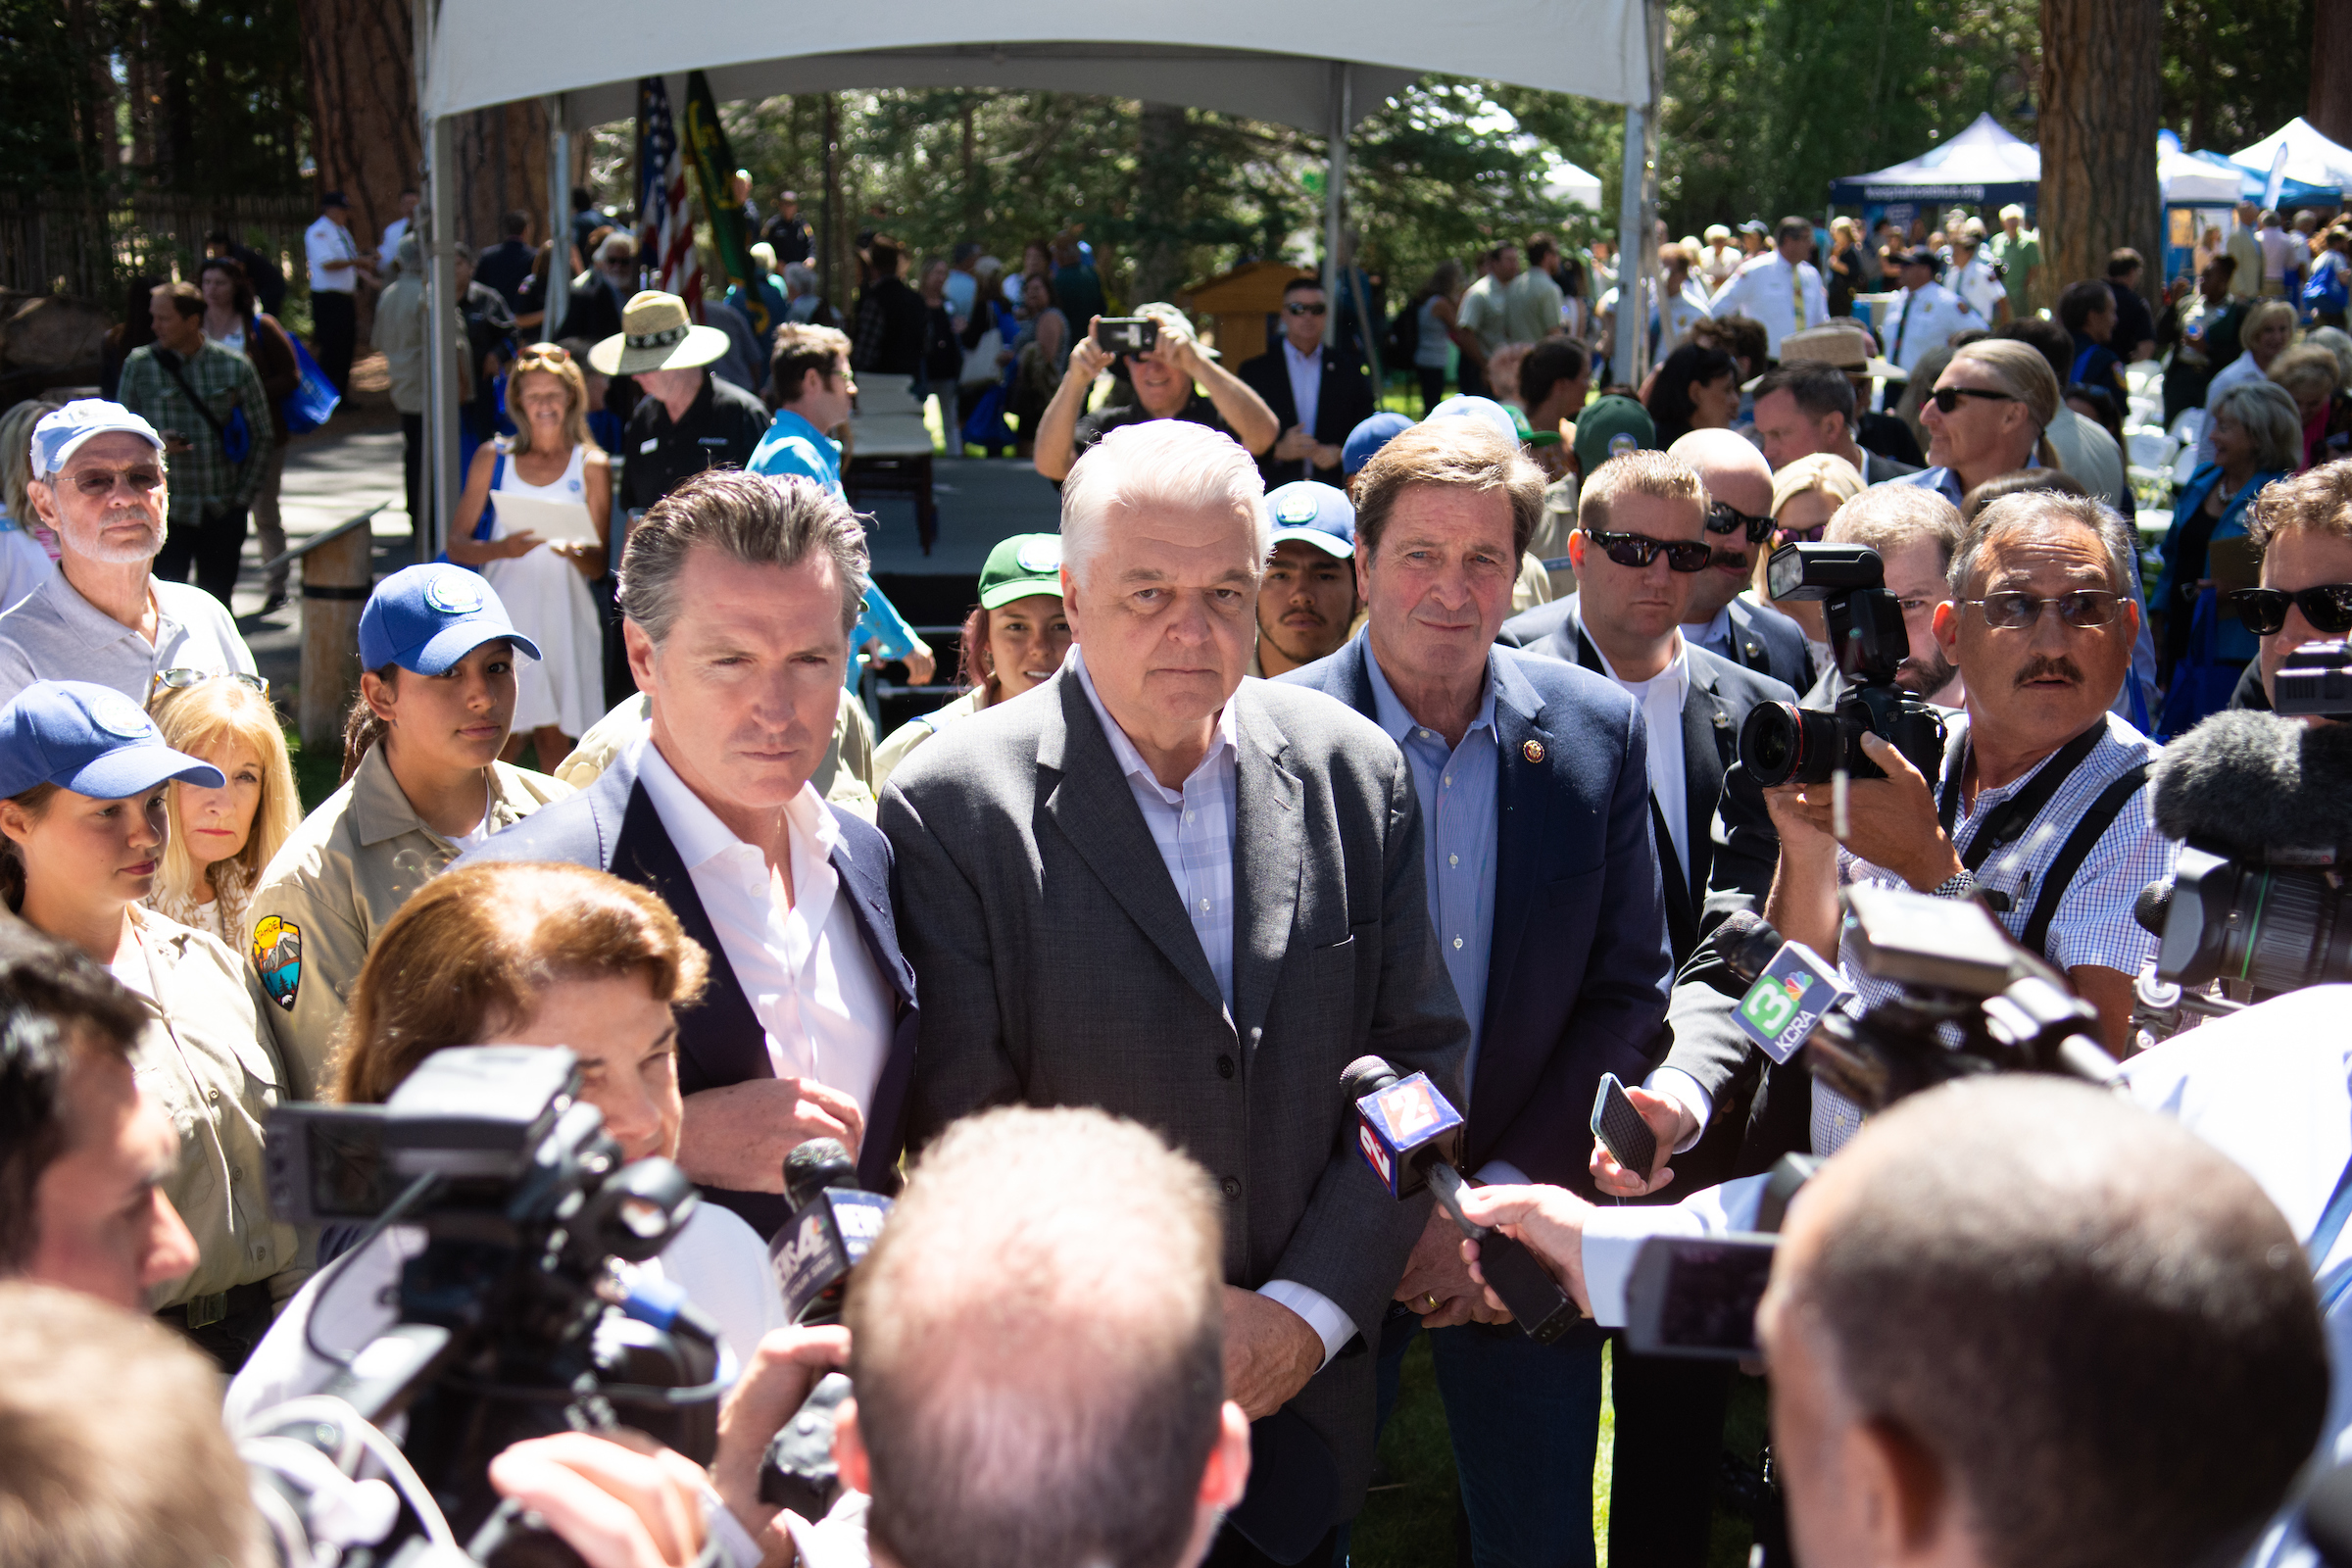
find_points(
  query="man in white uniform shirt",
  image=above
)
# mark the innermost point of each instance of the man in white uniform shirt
(336, 265)
(1926, 313)
(806, 1027)
(1779, 288)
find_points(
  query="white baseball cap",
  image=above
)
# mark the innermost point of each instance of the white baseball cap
(62, 431)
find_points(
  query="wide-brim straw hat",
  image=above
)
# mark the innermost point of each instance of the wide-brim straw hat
(1849, 348)
(657, 334)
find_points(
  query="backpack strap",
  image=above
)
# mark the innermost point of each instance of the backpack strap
(2077, 849)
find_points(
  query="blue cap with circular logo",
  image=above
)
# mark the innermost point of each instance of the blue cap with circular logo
(91, 740)
(1314, 514)
(1369, 437)
(425, 618)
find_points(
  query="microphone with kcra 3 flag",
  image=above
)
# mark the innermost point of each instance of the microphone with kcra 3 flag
(1410, 1136)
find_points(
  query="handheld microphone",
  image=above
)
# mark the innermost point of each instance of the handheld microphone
(1409, 1135)
(833, 1223)
(1789, 993)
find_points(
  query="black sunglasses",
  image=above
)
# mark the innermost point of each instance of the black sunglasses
(1948, 398)
(1306, 310)
(1722, 518)
(1637, 550)
(2263, 611)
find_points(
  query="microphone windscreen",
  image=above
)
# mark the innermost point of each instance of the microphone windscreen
(2257, 784)
(1366, 1075)
(1745, 942)
(815, 1164)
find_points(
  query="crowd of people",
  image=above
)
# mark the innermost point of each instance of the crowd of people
(1315, 731)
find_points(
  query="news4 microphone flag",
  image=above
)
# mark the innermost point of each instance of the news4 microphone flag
(664, 213)
(1392, 1122)
(713, 166)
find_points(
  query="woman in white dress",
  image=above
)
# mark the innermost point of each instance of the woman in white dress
(544, 583)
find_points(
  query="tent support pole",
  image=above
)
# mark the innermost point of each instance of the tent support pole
(555, 289)
(1335, 194)
(442, 388)
(1636, 207)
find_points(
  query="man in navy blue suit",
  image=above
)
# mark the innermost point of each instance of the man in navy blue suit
(1544, 887)
(807, 1026)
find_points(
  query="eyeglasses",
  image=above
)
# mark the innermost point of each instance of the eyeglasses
(143, 479)
(1306, 310)
(2082, 608)
(2263, 611)
(179, 679)
(1948, 398)
(1801, 536)
(1637, 550)
(1722, 518)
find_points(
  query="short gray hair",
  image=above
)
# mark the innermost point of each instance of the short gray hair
(1039, 1363)
(1173, 464)
(2036, 506)
(1894, 516)
(756, 519)
(2266, 412)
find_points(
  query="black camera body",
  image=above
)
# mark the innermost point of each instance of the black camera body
(513, 1321)
(1127, 334)
(1782, 743)
(2315, 681)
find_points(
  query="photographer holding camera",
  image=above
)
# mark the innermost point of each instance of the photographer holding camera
(1161, 379)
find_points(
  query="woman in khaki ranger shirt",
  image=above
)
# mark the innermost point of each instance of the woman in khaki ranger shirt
(422, 784)
(83, 829)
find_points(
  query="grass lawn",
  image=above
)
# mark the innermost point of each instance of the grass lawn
(1408, 1520)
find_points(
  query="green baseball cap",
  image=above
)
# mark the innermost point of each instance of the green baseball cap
(1025, 564)
(1609, 426)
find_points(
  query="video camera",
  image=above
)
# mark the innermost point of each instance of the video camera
(1780, 742)
(2262, 803)
(513, 1321)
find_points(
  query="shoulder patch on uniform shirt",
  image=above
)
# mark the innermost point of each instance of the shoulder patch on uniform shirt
(277, 958)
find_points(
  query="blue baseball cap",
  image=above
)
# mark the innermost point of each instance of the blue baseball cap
(91, 740)
(1369, 437)
(1320, 515)
(62, 431)
(1464, 407)
(425, 618)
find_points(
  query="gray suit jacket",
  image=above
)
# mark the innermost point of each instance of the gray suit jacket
(1057, 967)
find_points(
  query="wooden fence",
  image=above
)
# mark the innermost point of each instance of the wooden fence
(94, 249)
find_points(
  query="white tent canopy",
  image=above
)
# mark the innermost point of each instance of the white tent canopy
(2311, 158)
(1269, 61)
(2190, 180)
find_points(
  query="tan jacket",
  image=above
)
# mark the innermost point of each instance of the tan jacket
(208, 1062)
(907, 736)
(845, 777)
(350, 865)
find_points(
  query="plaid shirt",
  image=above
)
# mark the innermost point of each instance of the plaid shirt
(226, 381)
(2093, 924)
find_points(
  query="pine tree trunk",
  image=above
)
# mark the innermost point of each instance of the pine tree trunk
(2101, 80)
(2330, 108)
(1159, 207)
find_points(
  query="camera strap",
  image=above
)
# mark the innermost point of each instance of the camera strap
(2089, 830)
(2007, 822)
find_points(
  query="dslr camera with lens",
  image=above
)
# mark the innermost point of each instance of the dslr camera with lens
(1782, 743)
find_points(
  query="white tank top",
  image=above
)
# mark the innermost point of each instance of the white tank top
(571, 486)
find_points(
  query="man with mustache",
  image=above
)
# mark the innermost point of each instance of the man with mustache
(2040, 808)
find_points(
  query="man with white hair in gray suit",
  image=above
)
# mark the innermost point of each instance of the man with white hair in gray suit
(1192, 899)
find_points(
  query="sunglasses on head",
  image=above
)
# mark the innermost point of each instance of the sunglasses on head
(1948, 398)
(180, 678)
(1297, 309)
(2263, 611)
(1722, 518)
(1637, 550)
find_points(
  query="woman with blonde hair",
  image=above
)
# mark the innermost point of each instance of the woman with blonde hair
(544, 583)
(1805, 495)
(222, 839)
(523, 953)
(28, 548)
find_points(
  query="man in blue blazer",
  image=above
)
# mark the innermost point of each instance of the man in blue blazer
(807, 1026)
(1544, 887)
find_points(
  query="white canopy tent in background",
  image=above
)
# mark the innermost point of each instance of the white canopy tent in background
(2311, 158)
(1241, 57)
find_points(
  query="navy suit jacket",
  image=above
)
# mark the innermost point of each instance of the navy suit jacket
(1716, 706)
(1345, 402)
(612, 825)
(1578, 967)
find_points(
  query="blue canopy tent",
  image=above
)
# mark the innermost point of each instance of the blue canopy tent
(1983, 166)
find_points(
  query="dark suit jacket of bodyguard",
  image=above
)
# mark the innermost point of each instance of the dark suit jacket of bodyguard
(1714, 710)
(612, 825)
(1060, 969)
(1578, 968)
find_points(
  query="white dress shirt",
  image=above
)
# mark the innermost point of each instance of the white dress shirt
(1194, 831)
(1784, 298)
(1306, 381)
(796, 950)
(1661, 700)
(326, 240)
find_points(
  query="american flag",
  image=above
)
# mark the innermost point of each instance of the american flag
(665, 212)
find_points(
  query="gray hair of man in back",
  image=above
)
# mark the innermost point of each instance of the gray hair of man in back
(1038, 1347)
(2091, 1330)
(759, 521)
(2012, 513)
(112, 1452)
(1894, 516)
(1170, 465)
